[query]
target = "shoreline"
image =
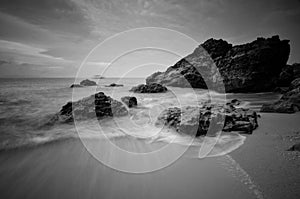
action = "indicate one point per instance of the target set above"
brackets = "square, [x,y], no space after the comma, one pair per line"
[46,169]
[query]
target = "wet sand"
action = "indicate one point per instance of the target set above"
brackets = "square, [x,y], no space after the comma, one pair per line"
[66,170]
[265,157]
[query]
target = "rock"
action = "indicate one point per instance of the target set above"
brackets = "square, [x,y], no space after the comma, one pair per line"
[289,101]
[285,76]
[149,88]
[95,106]
[295,147]
[129,101]
[87,82]
[251,67]
[75,86]
[114,85]
[295,84]
[195,121]
[281,89]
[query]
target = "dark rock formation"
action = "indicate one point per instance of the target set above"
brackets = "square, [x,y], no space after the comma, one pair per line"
[87,82]
[281,90]
[149,88]
[295,84]
[76,86]
[95,106]
[196,121]
[129,101]
[295,147]
[288,103]
[114,85]
[288,74]
[252,67]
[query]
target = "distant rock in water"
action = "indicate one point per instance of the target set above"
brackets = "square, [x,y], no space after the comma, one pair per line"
[114,85]
[95,106]
[195,121]
[76,86]
[295,147]
[87,82]
[251,67]
[288,103]
[149,88]
[129,101]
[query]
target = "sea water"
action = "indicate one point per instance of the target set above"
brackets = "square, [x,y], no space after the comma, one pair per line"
[27,103]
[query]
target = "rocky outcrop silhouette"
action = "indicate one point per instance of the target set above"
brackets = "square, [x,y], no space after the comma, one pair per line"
[251,67]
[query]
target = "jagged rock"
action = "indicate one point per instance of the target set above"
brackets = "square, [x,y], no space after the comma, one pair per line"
[87,82]
[295,83]
[129,101]
[114,85]
[281,90]
[95,106]
[288,103]
[195,121]
[286,76]
[149,88]
[295,147]
[75,86]
[251,67]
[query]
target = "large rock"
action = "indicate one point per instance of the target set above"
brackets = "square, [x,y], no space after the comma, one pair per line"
[251,67]
[149,88]
[95,106]
[87,82]
[129,101]
[195,121]
[288,103]
[288,74]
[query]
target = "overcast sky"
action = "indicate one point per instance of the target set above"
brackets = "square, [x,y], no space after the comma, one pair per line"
[47,38]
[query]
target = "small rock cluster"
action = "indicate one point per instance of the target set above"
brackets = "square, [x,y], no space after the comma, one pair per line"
[196,121]
[83,83]
[149,88]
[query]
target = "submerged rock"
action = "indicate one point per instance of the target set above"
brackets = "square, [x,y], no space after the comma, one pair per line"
[129,101]
[288,103]
[196,121]
[149,88]
[251,67]
[95,106]
[114,85]
[87,82]
[76,86]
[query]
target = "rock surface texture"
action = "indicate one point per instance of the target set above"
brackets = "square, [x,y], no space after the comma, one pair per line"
[149,88]
[196,121]
[288,103]
[251,67]
[95,106]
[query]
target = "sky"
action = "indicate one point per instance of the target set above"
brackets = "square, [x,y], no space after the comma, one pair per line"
[51,38]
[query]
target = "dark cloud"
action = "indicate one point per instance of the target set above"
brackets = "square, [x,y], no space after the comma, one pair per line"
[56,15]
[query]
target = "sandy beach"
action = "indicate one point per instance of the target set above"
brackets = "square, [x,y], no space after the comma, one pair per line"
[265,157]
[261,168]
